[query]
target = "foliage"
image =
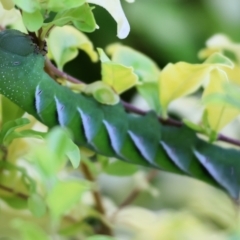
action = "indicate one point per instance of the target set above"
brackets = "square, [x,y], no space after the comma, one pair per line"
[44,182]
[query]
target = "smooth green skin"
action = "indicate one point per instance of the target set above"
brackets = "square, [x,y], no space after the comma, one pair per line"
[109,130]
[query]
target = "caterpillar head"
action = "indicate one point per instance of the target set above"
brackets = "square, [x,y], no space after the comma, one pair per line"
[15,42]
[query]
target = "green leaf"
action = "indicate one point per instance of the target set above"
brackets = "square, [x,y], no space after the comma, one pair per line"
[23,134]
[73,153]
[33,21]
[10,111]
[64,195]
[64,43]
[149,91]
[29,231]
[81,17]
[60,143]
[56,5]
[9,127]
[100,237]
[51,157]
[119,168]
[29,6]
[15,202]
[36,205]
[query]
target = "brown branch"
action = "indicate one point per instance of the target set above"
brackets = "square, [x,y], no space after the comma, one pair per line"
[10,190]
[97,199]
[52,70]
[135,193]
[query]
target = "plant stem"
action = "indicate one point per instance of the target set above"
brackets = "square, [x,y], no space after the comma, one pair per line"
[10,190]
[52,70]
[135,193]
[97,199]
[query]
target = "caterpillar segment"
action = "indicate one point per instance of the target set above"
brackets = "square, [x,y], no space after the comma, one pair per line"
[108,130]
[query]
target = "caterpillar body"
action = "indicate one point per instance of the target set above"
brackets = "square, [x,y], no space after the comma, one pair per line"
[108,130]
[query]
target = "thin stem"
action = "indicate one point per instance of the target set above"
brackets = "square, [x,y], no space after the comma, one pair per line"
[52,70]
[135,193]
[97,198]
[10,190]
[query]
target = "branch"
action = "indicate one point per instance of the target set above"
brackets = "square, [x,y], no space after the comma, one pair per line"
[52,70]
[10,190]
[135,193]
[97,198]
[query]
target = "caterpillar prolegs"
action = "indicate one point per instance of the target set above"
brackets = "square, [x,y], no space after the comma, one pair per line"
[108,130]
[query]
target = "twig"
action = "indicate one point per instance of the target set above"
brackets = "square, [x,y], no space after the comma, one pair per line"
[97,198]
[135,193]
[52,70]
[10,190]
[129,107]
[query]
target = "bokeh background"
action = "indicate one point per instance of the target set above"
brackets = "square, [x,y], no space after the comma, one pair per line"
[171,207]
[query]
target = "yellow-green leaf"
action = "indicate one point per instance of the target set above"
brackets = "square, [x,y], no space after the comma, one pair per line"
[102,92]
[64,195]
[64,43]
[116,75]
[218,114]
[146,69]
[7,4]
[33,21]
[180,79]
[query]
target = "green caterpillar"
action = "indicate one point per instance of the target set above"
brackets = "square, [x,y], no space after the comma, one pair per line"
[108,130]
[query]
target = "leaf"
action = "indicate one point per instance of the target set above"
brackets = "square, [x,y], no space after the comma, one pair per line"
[145,68]
[102,93]
[33,20]
[9,127]
[7,4]
[100,237]
[36,205]
[115,9]
[10,111]
[182,78]
[51,157]
[9,17]
[64,43]
[61,144]
[81,17]
[23,134]
[29,6]
[119,77]
[29,231]
[218,114]
[149,91]
[56,5]
[64,195]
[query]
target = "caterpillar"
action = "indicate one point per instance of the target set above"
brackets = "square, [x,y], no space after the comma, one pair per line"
[108,130]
